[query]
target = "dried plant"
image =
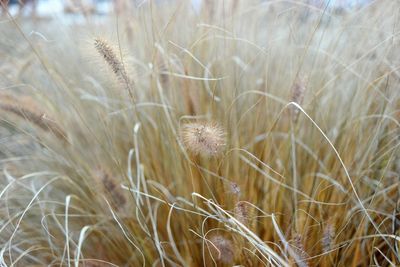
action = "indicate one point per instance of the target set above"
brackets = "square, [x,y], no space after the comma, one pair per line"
[207,139]
[31,113]
[328,237]
[208,166]
[221,249]
[117,66]
[298,91]
[242,212]
[110,186]
[300,251]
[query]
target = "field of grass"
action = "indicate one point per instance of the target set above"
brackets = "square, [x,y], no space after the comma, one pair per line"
[245,133]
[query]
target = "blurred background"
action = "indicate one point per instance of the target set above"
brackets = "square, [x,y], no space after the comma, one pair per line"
[48,8]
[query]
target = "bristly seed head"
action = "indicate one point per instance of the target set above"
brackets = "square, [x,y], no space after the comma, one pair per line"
[298,91]
[109,55]
[328,238]
[301,254]
[117,66]
[242,212]
[235,189]
[207,139]
[221,249]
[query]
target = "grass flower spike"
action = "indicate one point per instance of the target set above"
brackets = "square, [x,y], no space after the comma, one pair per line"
[221,249]
[207,139]
[107,52]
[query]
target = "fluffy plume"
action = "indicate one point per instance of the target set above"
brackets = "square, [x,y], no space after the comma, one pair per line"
[301,254]
[109,186]
[298,91]
[207,139]
[28,111]
[105,50]
[221,249]
[241,212]
[327,239]
[235,189]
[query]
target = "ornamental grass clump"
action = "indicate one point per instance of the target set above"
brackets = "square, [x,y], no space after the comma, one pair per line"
[212,148]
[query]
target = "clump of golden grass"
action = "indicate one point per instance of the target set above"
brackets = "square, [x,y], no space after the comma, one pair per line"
[302,173]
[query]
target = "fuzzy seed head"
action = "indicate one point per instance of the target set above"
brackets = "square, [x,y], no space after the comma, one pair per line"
[242,212]
[25,107]
[221,249]
[327,239]
[109,186]
[207,139]
[106,51]
[235,189]
[109,55]
[301,254]
[298,92]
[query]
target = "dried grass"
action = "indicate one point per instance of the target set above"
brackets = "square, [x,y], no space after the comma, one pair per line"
[302,173]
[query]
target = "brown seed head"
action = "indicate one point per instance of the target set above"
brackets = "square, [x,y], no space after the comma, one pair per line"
[110,186]
[109,55]
[327,239]
[242,212]
[26,108]
[207,139]
[298,92]
[235,189]
[301,254]
[221,249]
[106,51]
